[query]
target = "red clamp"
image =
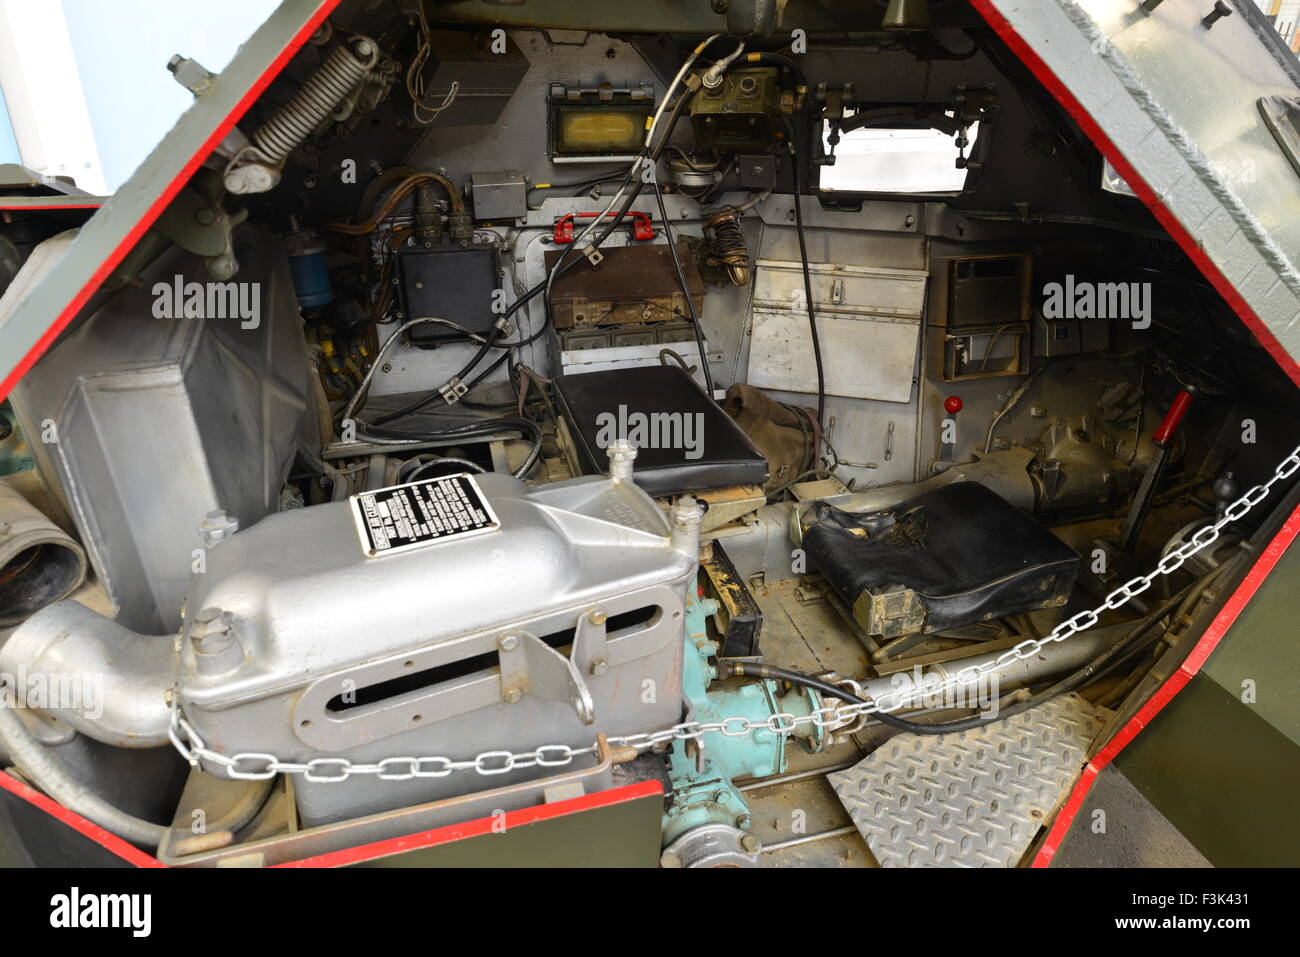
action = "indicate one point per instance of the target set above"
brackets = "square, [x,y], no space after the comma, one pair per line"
[641,226]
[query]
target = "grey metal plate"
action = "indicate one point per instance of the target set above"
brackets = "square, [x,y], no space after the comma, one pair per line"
[1210,159]
[971,799]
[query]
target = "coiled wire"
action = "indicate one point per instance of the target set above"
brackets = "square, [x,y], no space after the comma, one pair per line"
[727,245]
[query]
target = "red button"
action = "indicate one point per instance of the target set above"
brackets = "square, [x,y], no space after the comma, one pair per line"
[952,405]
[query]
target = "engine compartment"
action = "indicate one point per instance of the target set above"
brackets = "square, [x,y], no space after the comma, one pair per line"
[726,442]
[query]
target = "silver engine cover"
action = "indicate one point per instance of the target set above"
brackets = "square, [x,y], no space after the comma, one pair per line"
[437,650]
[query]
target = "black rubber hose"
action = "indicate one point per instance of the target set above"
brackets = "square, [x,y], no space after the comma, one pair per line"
[1076,679]
[807,277]
[686,290]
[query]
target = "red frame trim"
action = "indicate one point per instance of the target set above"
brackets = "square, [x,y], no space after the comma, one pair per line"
[481,826]
[166,196]
[1223,621]
[1043,73]
[362,852]
[110,842]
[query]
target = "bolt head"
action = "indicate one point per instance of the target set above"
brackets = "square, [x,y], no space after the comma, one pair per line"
[508,643]
[750,844]
[599,667]
[670,859]
[512,695]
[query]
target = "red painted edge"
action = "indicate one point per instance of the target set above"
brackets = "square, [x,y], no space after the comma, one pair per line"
[109,841]
[481,826]
[1003,28]
[1223,621]
[166,196]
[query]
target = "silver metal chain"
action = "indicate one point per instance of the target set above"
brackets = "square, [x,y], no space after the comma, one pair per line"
[258,766]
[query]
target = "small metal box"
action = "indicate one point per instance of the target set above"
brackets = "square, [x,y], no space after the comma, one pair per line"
[499,195]
[451,282]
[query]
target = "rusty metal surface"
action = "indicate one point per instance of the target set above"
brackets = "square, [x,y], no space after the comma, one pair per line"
[632,284]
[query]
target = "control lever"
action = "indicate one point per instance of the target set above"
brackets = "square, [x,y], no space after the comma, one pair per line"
[1162,437]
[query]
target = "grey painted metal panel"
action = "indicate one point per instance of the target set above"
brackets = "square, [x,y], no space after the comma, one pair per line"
[112,231]
[1178,101]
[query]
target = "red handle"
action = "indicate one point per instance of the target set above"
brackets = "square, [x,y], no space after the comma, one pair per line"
[642,229]
[1173,418]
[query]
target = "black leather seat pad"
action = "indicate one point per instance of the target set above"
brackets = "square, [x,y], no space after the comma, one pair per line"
[728,456]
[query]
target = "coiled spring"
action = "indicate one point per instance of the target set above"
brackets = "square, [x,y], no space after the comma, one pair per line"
[727,245]
[319,97]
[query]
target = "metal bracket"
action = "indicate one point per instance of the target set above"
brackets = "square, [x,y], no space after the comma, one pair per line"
[531,666]
[453,391]
[589,654]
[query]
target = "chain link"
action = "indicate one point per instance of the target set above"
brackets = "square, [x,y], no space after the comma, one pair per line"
[258,766]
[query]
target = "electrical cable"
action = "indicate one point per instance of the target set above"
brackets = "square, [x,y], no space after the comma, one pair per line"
[807,277]
[686,290]
[650,152]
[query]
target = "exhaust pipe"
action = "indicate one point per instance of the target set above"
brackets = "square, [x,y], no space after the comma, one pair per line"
[39,562]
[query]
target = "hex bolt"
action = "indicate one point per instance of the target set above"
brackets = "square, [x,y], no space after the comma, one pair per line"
[512,695]
[597,617]
[743,822]
[1220,11]
[599,667]
[751,844]
[508,643]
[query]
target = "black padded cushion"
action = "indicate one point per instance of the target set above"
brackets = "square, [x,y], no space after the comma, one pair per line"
[967,552]
[727,456]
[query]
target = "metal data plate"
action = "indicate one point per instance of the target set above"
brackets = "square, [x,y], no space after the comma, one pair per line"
[973,798]
[408,516]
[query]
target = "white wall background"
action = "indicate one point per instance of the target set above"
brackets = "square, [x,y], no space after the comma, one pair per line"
[86,84]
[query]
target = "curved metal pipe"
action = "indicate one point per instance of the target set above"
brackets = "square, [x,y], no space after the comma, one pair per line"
[105,680]
[50,774]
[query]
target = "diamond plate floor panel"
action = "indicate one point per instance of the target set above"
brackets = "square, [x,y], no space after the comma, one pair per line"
[973,798]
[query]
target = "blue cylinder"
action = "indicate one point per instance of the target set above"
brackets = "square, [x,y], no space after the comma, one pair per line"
[311,278]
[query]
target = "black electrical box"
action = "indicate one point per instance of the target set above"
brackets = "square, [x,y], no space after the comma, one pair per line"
[450,282]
